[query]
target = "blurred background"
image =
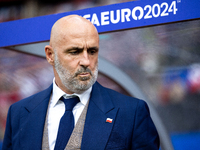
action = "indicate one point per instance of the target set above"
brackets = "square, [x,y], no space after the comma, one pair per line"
[163,60]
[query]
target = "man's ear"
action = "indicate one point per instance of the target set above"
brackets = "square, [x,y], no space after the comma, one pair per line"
[49,54]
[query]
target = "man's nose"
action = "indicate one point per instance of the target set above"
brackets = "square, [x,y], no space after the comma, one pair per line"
[85,59]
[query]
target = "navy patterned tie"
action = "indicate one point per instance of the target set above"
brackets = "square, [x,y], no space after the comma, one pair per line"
[66,125]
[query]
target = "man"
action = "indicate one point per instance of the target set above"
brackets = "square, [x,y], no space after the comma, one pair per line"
[103,118]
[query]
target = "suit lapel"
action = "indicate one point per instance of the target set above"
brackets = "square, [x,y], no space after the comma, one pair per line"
[32,120]
[97,130]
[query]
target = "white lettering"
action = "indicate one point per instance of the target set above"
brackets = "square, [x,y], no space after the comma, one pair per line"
[125,13]
[154,8]
[95,20]
[148,14]
[134,13]
[116,16]
[105,18]
[114,21]
[87,17]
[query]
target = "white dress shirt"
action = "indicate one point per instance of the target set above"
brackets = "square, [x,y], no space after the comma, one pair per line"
[57,109]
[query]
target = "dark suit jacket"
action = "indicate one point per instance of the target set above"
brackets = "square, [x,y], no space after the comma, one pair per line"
[131,128]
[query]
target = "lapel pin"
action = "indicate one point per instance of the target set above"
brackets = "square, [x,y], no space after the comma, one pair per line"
[109,120]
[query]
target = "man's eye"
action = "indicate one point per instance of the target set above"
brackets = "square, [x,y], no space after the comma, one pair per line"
[92,51]
[74,52]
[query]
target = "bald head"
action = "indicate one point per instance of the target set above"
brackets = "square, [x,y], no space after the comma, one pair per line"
[73,53]
[72,25]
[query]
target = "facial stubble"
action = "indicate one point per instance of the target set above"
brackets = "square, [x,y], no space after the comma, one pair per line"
[72,81]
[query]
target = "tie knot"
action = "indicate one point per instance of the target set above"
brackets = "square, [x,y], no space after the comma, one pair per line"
[70,102]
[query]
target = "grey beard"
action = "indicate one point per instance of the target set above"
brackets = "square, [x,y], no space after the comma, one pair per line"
[71,81]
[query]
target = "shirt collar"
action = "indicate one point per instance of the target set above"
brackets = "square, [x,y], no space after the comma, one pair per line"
[58,93]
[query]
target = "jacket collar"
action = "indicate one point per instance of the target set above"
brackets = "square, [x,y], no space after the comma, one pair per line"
[96,130]
[39,98]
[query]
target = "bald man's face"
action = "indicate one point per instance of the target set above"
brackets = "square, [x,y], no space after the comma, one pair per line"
[76,58]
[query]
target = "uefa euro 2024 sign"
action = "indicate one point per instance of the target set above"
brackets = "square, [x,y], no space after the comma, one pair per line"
[136,13]
[115,17]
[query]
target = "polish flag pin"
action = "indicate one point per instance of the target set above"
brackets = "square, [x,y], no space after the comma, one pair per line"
[109,120]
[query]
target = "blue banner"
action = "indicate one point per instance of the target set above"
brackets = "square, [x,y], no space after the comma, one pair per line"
[108,18]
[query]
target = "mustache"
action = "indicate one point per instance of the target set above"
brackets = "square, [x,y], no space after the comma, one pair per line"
[82,70]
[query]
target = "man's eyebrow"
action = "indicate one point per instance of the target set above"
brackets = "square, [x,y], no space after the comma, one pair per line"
[93,48]
[74,48]
[80,48]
